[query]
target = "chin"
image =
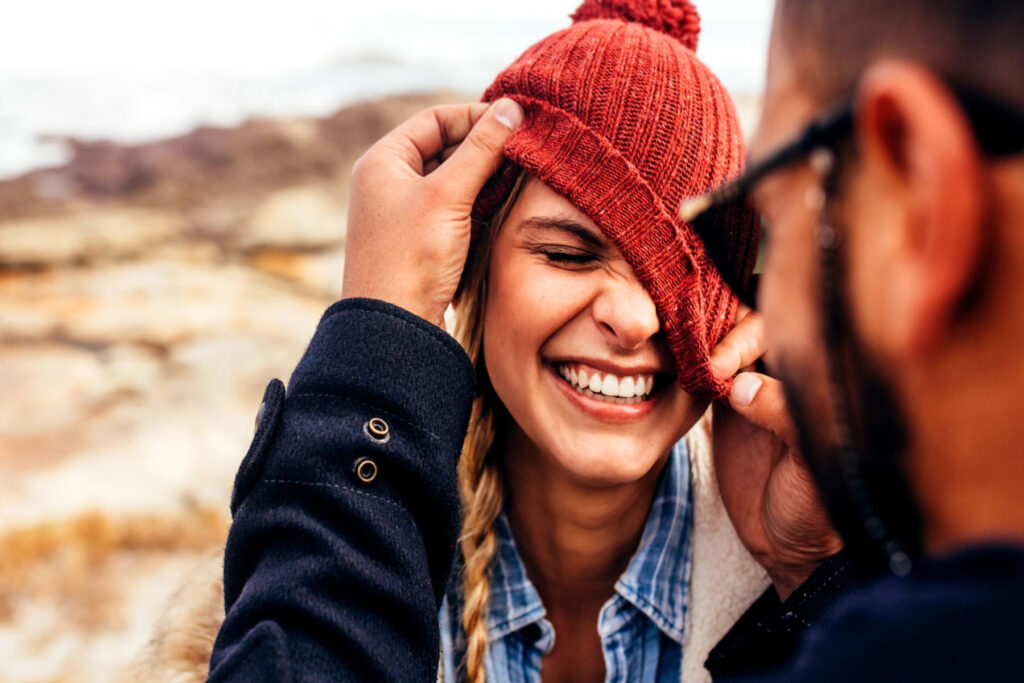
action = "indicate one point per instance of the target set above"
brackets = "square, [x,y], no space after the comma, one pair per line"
[609,465]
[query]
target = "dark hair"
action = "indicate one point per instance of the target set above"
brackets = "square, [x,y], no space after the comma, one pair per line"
[973,42]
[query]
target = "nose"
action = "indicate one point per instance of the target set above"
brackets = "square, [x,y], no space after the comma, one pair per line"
[626,313]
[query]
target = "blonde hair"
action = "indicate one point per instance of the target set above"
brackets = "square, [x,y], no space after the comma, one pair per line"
[481,482]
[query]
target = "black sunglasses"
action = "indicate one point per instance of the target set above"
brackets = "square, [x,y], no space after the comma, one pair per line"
[998,129]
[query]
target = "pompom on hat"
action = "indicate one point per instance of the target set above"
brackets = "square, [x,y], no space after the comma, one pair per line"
[625,122]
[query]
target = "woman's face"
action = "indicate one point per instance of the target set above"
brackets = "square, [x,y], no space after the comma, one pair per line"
[574,349]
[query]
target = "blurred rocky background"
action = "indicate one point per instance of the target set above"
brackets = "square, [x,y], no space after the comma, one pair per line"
[147,295]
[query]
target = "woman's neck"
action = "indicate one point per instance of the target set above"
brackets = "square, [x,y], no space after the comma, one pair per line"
[575,539]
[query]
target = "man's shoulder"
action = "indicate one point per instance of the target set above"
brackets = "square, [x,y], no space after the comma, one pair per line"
[957,618]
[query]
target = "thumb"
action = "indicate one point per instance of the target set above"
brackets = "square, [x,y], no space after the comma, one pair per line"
[480,154]
[761,400]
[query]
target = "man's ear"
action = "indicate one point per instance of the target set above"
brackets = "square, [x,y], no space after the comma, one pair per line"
[915,136]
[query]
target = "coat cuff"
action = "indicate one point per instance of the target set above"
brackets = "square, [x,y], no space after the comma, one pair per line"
[414,369]
[371,365]
[769,633]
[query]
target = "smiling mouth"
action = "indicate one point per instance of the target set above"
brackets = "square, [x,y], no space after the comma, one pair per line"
[604,386]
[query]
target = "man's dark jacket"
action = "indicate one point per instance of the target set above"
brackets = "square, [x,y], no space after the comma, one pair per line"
[345,519]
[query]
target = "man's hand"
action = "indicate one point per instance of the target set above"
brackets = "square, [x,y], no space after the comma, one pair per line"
[765,484]
[412,195]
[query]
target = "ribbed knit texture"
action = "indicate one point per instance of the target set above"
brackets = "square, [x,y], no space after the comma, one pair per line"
[625,122]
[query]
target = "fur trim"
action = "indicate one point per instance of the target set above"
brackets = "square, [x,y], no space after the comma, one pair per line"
[179,650]
[725,578]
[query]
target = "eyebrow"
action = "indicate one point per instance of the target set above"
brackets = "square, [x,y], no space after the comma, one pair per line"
[565,225]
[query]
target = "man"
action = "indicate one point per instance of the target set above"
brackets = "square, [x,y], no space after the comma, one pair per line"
[891,296]
[889,300]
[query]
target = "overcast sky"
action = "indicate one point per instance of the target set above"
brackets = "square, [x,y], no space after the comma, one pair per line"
[133,70]
[73,36]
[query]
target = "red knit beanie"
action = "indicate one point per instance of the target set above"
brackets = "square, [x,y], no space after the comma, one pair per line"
[624,121]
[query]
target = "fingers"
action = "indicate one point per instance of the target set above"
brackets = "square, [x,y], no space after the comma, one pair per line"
[426,134]
[761,400]
[742,311]
[480,154]
[433,164]
[743,345]
[448,152]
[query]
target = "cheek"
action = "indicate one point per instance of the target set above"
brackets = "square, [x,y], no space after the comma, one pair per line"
[790,287]
[791,305]
[527,304]
[869,243]
[516,305]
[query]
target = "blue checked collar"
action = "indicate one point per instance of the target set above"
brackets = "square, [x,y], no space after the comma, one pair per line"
[656,582]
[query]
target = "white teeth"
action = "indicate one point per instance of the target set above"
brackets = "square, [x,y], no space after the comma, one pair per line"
[609,387]
[602,397]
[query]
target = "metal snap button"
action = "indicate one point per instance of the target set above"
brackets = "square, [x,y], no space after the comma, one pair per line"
[377,429]
[365,469]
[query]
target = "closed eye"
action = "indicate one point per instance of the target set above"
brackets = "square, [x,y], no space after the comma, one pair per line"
[572,246]
[565,256]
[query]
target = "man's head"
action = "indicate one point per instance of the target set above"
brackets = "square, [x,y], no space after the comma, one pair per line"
[903,343]
[969,41]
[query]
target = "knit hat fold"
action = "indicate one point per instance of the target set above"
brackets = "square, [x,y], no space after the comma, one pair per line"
[624,121]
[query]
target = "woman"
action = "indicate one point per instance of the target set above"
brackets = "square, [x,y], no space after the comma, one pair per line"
[589,313]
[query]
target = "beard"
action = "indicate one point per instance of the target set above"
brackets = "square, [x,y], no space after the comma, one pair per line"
[853,437]
[864,487]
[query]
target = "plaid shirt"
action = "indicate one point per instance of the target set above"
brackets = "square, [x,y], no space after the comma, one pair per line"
[641,626]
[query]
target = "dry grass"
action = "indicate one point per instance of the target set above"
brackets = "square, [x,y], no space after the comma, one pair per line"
[70,563]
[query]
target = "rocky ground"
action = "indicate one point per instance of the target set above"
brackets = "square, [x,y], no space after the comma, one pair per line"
[147,295]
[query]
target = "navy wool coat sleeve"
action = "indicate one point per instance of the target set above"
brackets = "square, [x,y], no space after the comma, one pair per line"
[345,511]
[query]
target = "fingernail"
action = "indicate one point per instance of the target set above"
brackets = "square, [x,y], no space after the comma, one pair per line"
[745,388]
[508,113]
